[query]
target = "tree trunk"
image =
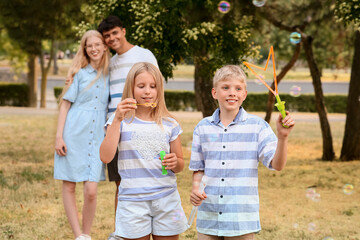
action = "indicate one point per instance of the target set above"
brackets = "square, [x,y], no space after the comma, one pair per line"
[44,73]
[203,85]
[56,68]
[286,68]
[32,80]
[328,151]
[351,143]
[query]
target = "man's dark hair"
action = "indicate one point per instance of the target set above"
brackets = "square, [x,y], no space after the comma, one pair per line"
[109,23]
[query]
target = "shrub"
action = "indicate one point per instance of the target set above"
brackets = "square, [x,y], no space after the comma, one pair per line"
[13,94]
[255,102]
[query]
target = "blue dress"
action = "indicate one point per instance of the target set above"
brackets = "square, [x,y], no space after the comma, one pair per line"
[84,129]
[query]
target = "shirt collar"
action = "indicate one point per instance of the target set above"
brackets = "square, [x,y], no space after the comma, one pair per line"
[241,116]
[89,68]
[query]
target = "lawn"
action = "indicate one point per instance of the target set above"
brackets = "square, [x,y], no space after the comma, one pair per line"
[31,204]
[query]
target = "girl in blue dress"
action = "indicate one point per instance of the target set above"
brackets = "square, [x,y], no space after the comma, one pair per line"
[82,115]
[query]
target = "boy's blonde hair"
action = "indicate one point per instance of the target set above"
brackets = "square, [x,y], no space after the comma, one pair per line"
[229,71]
[82,59]
[160,111]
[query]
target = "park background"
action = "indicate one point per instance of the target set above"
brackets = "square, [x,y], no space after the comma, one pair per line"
[315,197]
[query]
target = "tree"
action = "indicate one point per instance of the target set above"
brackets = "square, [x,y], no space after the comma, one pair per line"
[28,23]
[309,12]
[176,29]
[349,12]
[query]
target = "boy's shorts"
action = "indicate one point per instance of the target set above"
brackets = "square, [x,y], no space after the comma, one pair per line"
[160,217]
[250,236]
[113,170]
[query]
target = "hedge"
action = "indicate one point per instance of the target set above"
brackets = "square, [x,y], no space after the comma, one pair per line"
[256,102]
[13,94]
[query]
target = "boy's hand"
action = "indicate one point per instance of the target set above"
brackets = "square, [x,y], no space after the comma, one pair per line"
[125,106]
[287,121]
[196,198]
[60,147]
[170,161]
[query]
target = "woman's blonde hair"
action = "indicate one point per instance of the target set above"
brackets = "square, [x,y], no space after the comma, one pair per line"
[159,112]
[82,59]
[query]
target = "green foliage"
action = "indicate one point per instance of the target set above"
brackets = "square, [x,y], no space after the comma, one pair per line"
[13,94]
[348,11]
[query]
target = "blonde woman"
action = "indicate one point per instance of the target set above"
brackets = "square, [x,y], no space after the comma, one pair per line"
[82,115]
[141,127]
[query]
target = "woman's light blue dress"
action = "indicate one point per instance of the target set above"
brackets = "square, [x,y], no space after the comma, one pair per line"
[84,129]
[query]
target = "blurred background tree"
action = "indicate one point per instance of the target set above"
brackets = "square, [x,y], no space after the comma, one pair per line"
[348,12]
[29,23]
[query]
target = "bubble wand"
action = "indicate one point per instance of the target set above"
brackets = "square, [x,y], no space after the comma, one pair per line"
[162,155]
[280,104]
[194,209]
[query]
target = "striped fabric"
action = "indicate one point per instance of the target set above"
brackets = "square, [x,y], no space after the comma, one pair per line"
[120,66]
[229,156]
[138,160]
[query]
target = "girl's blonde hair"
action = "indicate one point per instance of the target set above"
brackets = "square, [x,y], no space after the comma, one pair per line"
[159,112]
[82,59]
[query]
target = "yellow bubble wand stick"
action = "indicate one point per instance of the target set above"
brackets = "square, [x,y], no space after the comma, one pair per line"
[280,104]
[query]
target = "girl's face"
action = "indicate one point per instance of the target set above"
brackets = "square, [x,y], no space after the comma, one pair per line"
[95,48]
[145,90]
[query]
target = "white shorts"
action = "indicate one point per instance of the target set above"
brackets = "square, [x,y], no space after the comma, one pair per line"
[160,217]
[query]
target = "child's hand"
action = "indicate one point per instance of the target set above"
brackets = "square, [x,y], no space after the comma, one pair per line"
[287,121]
[125,106]
[196,198]
[170,161]
[69,80]
[60,147]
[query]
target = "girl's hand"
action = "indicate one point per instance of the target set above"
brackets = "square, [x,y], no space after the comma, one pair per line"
[170,161]
[125,106]
[60,147]
[196,198]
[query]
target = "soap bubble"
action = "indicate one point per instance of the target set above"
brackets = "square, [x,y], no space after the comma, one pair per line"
[348,189]
[257,80]
[295,37]
[296,225]
[311,226]
[295,91]
[224,7]
[312,194]
[327,238]
[259,3]
[177,215]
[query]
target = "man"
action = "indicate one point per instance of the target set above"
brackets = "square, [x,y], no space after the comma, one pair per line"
[126,56]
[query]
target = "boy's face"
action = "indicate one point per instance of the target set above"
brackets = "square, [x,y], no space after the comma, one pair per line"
[115,38]
[230,94]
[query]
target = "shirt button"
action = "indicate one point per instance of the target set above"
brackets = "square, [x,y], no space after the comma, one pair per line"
[223,163]
[89,154]
[89,143]
[93,120]
[88,165]
[220,213]
[96,97]
[224,147]
[97,86]
[225,130]
[222,179]
[94,107]
[221,196]
[90,131]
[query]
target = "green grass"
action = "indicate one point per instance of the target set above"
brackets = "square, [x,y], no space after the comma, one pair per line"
[31,205]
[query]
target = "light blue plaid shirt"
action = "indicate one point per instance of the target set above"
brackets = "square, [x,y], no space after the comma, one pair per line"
[229,156]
